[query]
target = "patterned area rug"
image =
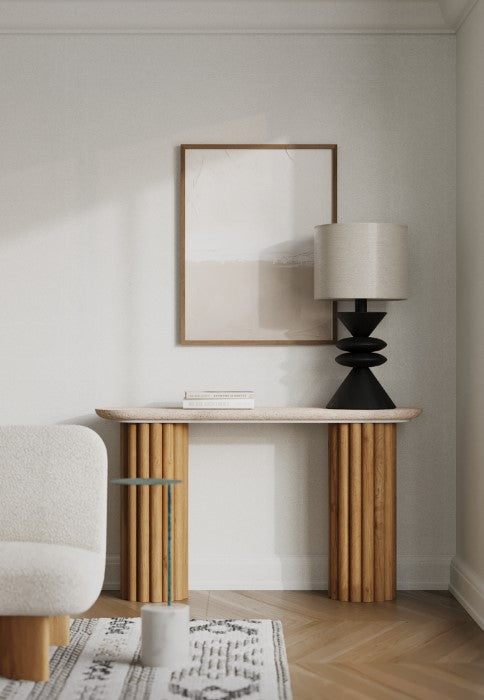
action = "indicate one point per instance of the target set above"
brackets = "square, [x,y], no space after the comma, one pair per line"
[231,659]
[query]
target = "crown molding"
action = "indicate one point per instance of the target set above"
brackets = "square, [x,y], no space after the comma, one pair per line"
[455,12]
[232,16]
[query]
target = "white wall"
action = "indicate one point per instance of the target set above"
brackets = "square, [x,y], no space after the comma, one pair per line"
[88,259]
[467,576]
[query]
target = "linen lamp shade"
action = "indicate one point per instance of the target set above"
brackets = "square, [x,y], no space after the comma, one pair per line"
[361,261]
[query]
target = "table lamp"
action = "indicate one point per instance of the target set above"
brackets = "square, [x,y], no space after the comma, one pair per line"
[360,262]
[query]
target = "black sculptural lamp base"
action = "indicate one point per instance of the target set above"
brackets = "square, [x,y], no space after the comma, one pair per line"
[361,389]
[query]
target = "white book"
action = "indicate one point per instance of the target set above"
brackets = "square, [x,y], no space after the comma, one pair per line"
[219,394]
[218,403]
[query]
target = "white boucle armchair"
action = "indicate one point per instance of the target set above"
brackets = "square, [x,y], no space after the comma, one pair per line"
[53,482]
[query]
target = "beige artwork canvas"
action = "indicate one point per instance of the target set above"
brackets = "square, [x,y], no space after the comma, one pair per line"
[248,217]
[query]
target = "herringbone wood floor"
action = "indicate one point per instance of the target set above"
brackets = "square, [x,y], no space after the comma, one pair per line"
[422,646]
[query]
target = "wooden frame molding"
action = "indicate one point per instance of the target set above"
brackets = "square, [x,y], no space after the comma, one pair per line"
[334,217]
[234,17]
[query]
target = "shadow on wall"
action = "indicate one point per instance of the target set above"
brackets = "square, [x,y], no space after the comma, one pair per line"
[289,466]
[286,292]
[92,143]
[301,507]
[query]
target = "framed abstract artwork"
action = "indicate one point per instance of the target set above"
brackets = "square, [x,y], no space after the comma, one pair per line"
[247,220]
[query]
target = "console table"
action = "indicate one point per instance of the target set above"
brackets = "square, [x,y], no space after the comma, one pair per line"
[362,495]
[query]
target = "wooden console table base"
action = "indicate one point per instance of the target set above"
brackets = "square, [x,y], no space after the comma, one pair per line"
[362,512]
[158,451]
[362,496]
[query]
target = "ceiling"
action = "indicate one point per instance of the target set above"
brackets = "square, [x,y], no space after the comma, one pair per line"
[234,16]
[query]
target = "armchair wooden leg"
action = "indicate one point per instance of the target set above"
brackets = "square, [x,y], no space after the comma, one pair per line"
[24,645]
[24,648]
[59,631]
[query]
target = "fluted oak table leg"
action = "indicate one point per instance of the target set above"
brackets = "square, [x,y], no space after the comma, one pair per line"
[156,512]
[124,577]
[343,512]
[168,473]
[143,514]
[362,512]
[355,509]
[333,511]
[158,451]
[180,564]
[390,525]
[368,516]
[131,541]
[379,509]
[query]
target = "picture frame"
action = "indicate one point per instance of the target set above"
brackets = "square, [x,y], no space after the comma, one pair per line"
[246,220]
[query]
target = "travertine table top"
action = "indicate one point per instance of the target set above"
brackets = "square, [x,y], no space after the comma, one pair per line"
[283,414]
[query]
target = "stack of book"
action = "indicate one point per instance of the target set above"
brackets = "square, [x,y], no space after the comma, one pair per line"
[219,399]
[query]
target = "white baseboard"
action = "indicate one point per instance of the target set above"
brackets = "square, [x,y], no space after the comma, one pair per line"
[297,572]
[259,573]
[468,588]
[426,572]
